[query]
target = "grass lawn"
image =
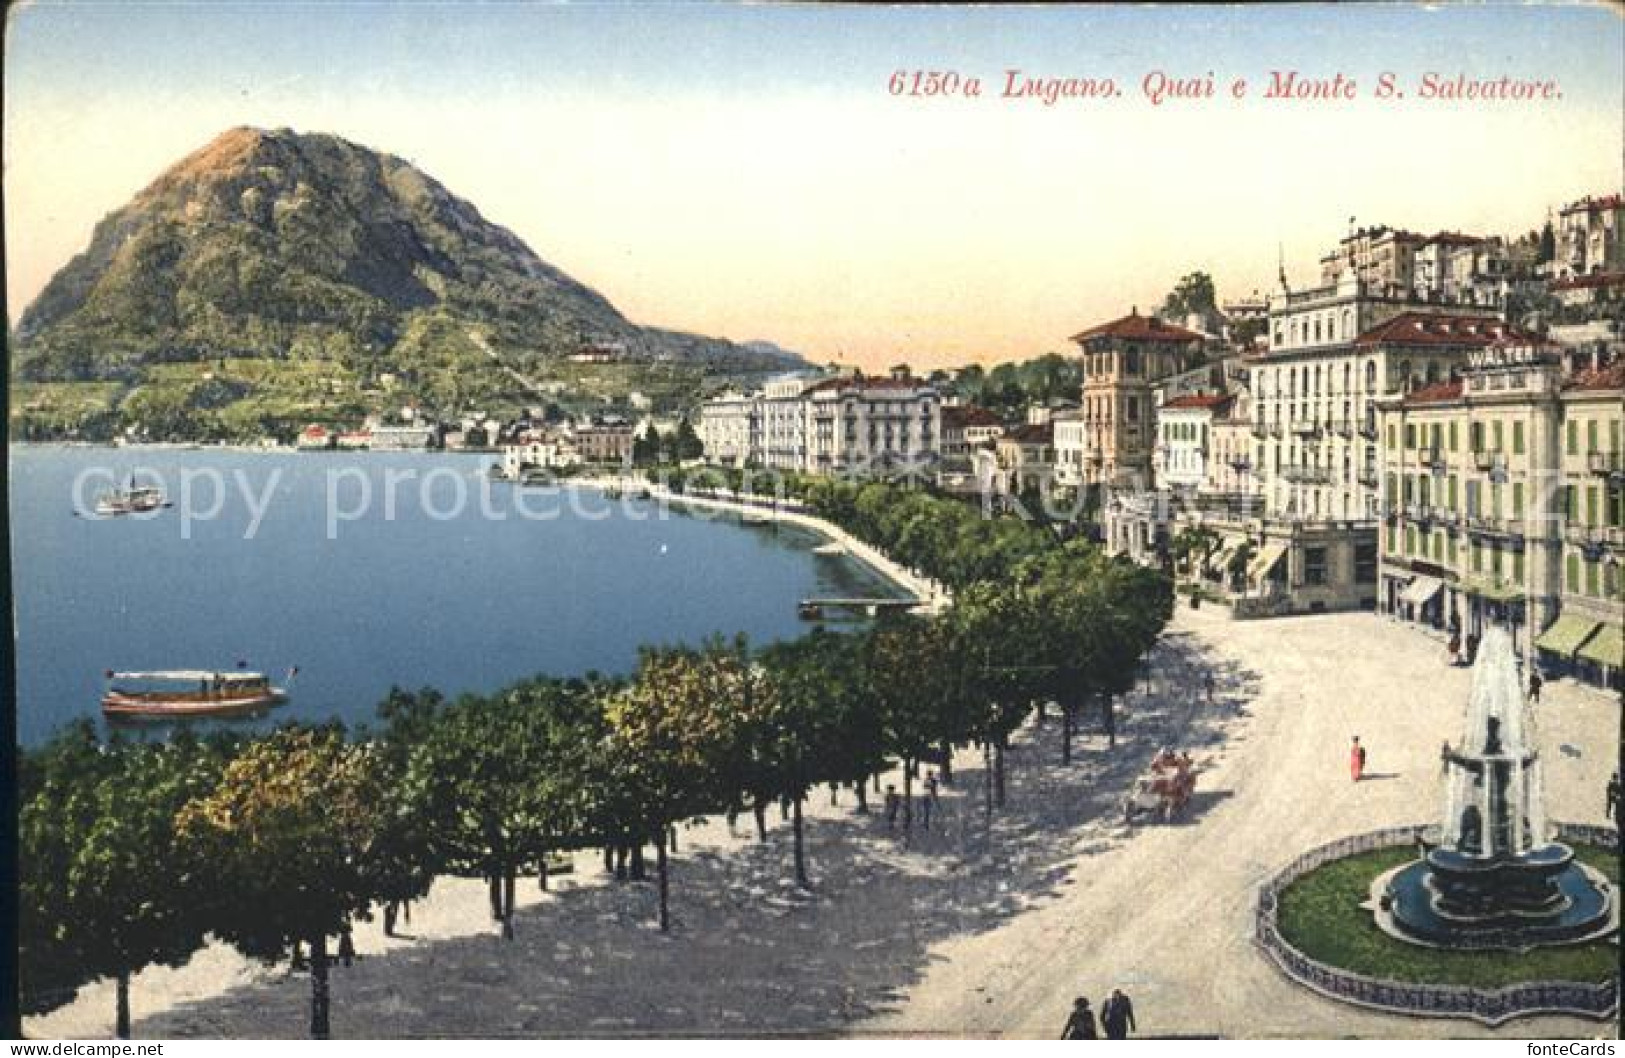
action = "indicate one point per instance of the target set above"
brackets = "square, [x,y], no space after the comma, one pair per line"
[1320,915]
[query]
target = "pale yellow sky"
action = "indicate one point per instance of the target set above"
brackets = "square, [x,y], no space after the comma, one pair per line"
[835,219]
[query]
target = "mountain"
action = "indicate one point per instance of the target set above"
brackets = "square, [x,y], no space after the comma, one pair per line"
[282,246]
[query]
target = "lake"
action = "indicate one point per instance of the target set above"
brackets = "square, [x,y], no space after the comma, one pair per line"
[371,570]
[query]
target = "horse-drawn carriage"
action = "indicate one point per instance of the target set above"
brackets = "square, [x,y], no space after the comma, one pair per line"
[1165,789]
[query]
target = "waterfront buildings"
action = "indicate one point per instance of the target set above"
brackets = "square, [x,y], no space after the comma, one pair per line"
[604,439]
[1504,500]
[844,424]
[413,438]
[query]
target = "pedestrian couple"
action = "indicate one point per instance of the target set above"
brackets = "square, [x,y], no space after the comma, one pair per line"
[928,802]
[1116,1017]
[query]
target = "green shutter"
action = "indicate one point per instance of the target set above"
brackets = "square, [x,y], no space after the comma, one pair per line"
[1452,435]
[1571,571]
[1591,578]
[1573,438]
[1517,499]
[1496,428]
[1517,438]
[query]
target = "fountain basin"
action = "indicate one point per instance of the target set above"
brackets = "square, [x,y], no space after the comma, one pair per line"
[1450,900]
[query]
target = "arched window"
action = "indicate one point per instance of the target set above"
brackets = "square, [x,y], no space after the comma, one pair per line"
[1370,376]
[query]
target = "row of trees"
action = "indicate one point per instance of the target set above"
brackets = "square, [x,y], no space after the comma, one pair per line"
[134,853]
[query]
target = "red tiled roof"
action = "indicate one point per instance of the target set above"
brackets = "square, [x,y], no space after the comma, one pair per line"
[1421,328]
[1199,400]
[1137,328]
[1437,393]
[968,415]
[1042,433]
[1611,376]
[1600,279]
[1592,205]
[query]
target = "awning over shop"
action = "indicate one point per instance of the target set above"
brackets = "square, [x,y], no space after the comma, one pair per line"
[1496,592]
[1607,647]
[1266,561]
[1566,634]
[1421,590]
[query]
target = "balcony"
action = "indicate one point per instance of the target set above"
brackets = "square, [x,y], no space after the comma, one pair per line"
[1605,463]
[1306,475]
[1368,478]
[1433,459]
[1491,461]
[1261,430]
[1488,526]
[1241,464]
[1594,535]
[1369,431]
[1306,429]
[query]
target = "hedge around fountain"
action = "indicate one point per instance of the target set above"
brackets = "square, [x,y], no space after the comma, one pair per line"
[1309,922]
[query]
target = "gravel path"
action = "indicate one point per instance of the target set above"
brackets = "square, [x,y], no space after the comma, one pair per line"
[972,929]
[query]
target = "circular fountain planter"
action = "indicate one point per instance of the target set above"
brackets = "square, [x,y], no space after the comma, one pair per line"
[1438,996]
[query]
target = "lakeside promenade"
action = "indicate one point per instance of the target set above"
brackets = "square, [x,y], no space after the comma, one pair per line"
[933,598]
[975,928]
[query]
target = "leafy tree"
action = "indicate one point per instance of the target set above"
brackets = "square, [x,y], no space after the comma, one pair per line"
[1192,294]
[820,724]
[675,732]
[914,677]
[1236,566]
[493,781]
[1194,547]
[688,443]
[290,837]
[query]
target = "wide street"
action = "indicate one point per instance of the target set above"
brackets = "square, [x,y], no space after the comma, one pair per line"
[968,929]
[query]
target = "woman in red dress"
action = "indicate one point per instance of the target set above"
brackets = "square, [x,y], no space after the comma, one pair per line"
[1356,759]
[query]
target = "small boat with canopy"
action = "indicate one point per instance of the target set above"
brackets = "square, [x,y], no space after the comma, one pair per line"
[177,693]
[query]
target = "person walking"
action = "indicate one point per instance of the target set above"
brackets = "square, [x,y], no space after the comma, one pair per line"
[893,803]
[1535,684]
[1454,647]
[1117,1016]
[1356,759]
[1080,1024]
[1613,796]
[929,800]
[1207,682]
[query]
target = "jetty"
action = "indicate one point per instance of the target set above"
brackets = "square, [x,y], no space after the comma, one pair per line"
[814,608]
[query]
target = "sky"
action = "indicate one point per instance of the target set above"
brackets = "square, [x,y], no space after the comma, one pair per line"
[745,171]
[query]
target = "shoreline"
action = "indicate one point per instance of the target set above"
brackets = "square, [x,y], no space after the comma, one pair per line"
[932,598]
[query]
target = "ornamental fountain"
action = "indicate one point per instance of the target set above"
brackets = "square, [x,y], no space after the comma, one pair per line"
[1494,880]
